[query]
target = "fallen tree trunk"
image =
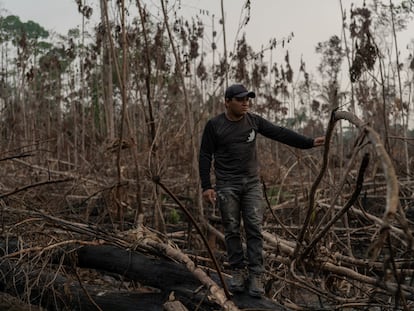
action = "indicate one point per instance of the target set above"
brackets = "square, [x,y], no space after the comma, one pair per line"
[50,288]
[162,274]
[54,291]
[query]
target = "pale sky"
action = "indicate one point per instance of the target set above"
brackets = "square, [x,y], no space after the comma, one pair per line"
[311,21]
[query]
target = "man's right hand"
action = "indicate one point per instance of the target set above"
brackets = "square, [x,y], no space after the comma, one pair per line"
[209,196]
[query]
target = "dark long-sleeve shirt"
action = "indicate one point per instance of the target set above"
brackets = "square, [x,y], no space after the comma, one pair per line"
[232,145]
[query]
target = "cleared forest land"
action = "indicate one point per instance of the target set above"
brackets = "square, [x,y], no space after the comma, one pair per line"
[100,199]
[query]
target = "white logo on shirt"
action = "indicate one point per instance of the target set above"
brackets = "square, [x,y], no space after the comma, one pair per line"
[251,137]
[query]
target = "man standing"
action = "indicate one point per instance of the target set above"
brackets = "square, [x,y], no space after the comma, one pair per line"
[230,140]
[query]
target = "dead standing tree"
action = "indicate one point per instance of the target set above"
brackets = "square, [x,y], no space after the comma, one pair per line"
[384,254]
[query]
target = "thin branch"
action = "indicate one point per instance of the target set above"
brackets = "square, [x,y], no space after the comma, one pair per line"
[347,206]
[316,183]
[200,232]
[41,183]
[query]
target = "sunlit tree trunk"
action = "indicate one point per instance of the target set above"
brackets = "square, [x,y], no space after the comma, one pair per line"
[59,124]
[107,73]
[189,112]
[147,101]
[21,100]
[224,42]
[83,86]
[400,92]
[214,46]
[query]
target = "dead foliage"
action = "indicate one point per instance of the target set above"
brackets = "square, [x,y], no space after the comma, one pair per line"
[331,242]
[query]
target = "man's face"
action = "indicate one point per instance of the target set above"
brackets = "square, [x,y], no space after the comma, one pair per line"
[238,106]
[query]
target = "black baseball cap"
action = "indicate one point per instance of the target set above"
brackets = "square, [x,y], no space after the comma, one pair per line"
[238,90]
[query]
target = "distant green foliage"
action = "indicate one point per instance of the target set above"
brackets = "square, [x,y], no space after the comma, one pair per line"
[11,27]
[74,33]
[43,46]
